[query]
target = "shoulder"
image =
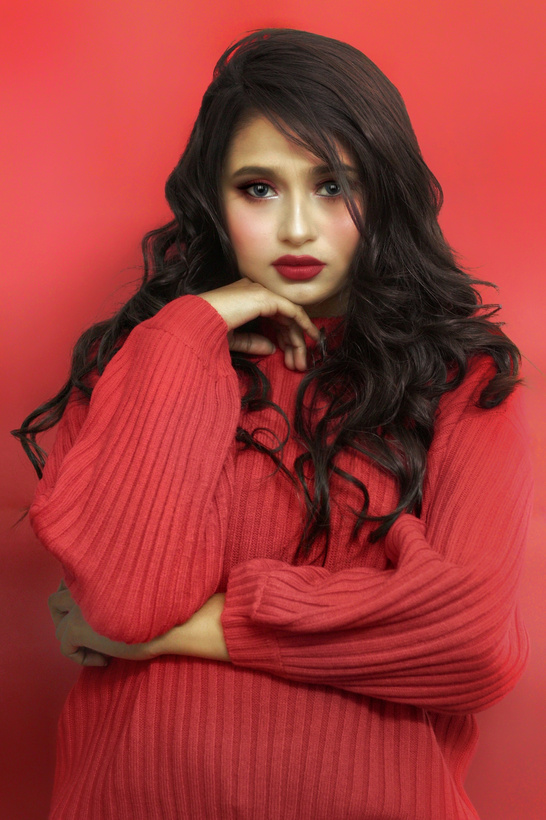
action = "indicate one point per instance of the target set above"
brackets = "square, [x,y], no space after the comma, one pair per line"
[481,449]
[480,370]
[461,405]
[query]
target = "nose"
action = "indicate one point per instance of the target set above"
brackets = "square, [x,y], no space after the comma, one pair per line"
[297,223]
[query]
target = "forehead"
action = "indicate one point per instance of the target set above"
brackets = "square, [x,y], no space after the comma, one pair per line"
[259,142]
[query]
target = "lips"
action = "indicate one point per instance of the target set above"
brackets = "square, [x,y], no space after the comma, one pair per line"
[298,267]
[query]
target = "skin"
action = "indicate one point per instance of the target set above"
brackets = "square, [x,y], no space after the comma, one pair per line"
[294,208]
[201,636]
[291,209]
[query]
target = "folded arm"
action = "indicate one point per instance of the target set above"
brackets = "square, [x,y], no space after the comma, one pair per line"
[441,629]
[135,496]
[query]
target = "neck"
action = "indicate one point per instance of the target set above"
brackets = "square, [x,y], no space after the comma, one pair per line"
[335,305]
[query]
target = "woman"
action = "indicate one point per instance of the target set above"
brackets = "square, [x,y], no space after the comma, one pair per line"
[290,485]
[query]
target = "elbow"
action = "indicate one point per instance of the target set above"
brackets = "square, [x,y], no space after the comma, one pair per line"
[126,619]
[501,673]
[129,616]
[488,676]
[125,626]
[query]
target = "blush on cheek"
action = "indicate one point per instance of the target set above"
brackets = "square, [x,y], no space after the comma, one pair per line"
[342,231]
[248,231]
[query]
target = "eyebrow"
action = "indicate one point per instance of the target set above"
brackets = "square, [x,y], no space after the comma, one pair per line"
[261,170]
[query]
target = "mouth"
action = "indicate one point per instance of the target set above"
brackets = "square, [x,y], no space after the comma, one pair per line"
[298,267]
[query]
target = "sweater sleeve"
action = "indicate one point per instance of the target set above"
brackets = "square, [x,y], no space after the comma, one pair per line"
[135,496]
[439,630]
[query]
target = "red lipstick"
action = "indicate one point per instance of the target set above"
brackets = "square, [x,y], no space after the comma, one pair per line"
[298,267]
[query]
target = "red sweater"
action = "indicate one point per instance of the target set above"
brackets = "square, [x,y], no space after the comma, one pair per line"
[352,687]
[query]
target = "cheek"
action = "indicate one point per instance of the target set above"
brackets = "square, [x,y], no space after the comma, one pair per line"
[343,233]
[248,228]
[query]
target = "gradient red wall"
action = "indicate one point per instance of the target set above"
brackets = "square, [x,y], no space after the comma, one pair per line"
[98,100]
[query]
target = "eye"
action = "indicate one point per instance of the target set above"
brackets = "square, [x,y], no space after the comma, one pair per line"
[333,188]
[259,190]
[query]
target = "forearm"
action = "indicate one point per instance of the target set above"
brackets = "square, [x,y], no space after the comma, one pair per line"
[201,636]
[428,632]
[440,628]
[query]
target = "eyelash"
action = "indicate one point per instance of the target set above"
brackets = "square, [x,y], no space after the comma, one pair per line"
[245,188]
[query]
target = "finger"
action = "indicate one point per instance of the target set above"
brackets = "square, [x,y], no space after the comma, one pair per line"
[70,645]
[299,347]
[289,355]
[71,636]
[57,616]
[289,358]
[86,657]
[60,604]
[285,345]
[251,343]
[288,312]
[304,321]
[294,347]
[62,597]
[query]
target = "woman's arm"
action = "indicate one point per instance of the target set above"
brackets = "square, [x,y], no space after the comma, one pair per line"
[135,496]
[201,636]
[441,629]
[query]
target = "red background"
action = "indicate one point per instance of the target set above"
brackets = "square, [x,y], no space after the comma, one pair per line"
[98,99]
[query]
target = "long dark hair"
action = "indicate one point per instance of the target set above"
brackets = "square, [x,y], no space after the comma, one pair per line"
[414,317]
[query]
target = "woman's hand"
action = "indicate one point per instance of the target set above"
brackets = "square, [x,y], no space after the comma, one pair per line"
[201,636]
[243,300]
[80,643]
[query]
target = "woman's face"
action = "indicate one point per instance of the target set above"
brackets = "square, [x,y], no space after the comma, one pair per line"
[279,200]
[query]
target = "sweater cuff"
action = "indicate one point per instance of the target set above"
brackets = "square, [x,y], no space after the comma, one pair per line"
[248,645]
[199,326]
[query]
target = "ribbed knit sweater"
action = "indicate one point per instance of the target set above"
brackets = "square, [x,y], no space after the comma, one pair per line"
[351,686]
